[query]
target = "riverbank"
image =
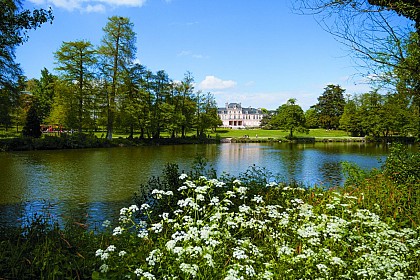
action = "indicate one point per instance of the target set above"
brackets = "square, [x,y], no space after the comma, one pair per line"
[348,139]
[82,141]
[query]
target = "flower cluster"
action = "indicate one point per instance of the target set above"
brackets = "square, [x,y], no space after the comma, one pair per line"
[222,231]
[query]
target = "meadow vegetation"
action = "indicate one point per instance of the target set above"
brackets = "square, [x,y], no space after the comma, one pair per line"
[196,225]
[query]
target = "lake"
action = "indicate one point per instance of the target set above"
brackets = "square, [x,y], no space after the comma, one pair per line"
[96,183]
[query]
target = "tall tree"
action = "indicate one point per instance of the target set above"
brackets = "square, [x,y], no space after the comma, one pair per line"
[43,91]
[207,117]
[311,117]
[32,126]
[187,103]
[349,120]
[117,51]
[330,106]
[371,29]
[161,88]
[134,99]
[14,24]
[75,61]
[290,117]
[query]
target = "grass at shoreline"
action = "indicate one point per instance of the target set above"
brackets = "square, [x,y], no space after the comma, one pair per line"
[222,132]
[276,134]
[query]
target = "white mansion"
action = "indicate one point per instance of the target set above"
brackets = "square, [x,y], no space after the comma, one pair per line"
[234,116]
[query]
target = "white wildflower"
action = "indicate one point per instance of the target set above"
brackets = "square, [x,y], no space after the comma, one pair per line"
[149,275]
[106,223]
[154,256]
[144,206]
[122,253]
[99,252]
[214,201]
[143,233]
[244,208]
[182,188]
[105,256]
[189,269]
[117,231]
[239,254]
[138,272]
[257,199]
[209,260]
[111,248]
[104,268]
[156,228]
[133,208]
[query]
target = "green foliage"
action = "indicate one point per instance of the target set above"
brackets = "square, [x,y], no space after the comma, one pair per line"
[311,118]
[218,230]
[402,167]
[330,107]
[392,191]
[378,115]
[76,61]
[117,51]
[14,26]
[289,117]
[32,126]
[41,249]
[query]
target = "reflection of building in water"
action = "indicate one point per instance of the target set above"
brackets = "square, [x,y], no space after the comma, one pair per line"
[234,116]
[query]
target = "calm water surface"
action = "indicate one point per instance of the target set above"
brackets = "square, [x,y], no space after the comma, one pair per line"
[95,183]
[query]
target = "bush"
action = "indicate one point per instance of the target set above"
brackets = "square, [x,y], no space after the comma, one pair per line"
[219,231]
[43,250]
[393,192]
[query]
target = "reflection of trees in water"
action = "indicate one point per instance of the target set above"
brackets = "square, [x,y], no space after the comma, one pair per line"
[331,173]
[91,214]
[291,163]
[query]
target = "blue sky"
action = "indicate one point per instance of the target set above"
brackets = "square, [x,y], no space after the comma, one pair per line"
[258,53]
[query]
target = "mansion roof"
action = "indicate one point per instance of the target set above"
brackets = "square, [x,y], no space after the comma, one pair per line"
[238,107]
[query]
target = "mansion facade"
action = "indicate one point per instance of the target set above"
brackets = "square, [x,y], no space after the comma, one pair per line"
[234,116]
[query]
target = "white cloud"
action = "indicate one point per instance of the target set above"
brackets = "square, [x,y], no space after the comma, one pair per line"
[184,53]
[212,82]
[99,8]
[191,54]
[89,5]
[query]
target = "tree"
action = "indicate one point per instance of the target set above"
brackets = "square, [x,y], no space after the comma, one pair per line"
[371,29]
[65,106]
[161,86]
[377,115]
[311,118]
[76,61]
[207,117]
[330,107]
[117,52]
[134,107]
[43,91]
[14,24]
[32,126]
[349,120]
[187,104]
[290,117]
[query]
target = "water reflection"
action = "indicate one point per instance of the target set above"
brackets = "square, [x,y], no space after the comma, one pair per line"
[93,184]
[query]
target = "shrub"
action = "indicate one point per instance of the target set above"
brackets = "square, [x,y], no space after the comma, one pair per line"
[42,249]
[219,231]
[393,192]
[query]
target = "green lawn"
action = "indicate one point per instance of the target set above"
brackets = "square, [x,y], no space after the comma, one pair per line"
[261,133]
[222,132]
